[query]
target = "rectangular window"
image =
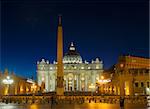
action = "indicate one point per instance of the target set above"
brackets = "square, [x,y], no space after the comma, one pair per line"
[136,84]
[142,84]
[148,84]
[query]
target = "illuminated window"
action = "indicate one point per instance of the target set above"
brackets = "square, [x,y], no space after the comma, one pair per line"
[89,67]
[97,67]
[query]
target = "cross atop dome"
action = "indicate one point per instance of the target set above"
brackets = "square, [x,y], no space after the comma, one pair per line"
[72,46]
[72,56]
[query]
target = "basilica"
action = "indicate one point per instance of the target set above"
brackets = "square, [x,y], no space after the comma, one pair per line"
[70,72]
[79,75]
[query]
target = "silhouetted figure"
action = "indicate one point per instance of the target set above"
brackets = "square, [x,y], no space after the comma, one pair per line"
[121,102]
[52,101]
[90,100]
[82,100]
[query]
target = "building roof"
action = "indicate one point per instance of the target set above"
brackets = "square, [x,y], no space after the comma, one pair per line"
[72,56]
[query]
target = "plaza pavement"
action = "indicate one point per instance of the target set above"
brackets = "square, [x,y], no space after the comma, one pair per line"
[71,106]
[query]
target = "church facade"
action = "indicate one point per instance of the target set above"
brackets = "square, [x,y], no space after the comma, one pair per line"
[69,73]
[78,75]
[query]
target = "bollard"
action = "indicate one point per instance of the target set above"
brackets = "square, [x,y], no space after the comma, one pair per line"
[89,100]
[6,101]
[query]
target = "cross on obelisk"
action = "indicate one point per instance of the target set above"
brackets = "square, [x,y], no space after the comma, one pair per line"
[60,73]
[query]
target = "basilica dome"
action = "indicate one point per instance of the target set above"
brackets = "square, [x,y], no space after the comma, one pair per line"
[72,56]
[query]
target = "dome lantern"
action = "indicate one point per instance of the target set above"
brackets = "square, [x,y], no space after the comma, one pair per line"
[72,56]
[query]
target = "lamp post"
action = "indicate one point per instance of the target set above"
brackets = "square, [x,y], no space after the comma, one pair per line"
[92,87]
[8,82]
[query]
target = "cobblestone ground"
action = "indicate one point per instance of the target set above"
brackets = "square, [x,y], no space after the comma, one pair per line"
[71,106]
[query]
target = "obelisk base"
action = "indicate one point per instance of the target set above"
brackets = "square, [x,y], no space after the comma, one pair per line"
[60,86]
[60,91]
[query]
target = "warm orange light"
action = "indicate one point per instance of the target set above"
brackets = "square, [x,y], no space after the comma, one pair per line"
[121,65]
[27,89]
[102,77]
[21,89]
[92,86]
[33,87]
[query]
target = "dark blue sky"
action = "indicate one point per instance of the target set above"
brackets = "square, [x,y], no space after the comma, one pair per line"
[102,28]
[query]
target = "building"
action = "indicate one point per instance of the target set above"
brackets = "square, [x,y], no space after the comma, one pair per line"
[130,76]
[133,62]
[78,74]
[12,84]
[69,73]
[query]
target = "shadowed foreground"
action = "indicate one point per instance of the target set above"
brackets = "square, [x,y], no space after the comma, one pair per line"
[71,106]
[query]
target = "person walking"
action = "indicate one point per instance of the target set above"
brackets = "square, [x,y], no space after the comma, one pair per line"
[121,102]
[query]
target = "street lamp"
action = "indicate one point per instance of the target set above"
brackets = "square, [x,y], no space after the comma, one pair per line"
[92,87]
[8,82]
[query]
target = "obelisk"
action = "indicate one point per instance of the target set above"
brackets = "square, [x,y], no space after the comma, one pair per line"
[60,73]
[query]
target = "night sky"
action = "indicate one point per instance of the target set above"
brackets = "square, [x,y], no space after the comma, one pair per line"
[102,28]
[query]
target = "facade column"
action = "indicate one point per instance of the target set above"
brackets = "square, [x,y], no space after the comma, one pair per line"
[86,81]
[66,84]
[94,81]
[111,89]
[73,84]
[131,90]
[49,88]
[80,89]
[122,86]
[54,83]
[80,85]
[77,83]
[116,90]
[46,81]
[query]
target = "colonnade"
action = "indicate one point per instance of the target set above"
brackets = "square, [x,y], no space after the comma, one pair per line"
[78,82]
